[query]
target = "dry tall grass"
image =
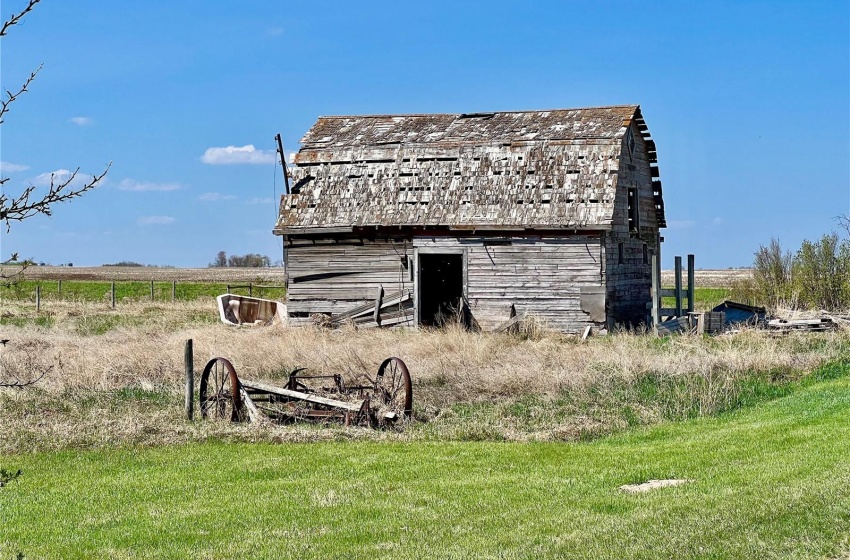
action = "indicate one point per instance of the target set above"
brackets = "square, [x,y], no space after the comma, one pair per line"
[144,350]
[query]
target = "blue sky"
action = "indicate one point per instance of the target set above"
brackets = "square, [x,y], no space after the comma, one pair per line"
[749,104]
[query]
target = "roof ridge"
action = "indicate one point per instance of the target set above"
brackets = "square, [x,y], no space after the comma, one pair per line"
[628,105]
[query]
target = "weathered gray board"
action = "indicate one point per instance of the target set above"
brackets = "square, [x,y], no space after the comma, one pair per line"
[551,279]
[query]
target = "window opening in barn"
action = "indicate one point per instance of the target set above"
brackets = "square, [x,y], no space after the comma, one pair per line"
[620,253]
[440,288]
[645,254]
[634,210]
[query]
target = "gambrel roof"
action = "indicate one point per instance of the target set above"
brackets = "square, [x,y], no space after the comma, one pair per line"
[504,170]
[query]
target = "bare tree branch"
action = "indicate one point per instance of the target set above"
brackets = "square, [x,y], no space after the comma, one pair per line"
[20,384]
[20,208]
[4,107]
[25,205]
[16,18]
[844,221]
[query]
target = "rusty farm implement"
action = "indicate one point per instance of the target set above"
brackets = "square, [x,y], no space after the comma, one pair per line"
[380,401]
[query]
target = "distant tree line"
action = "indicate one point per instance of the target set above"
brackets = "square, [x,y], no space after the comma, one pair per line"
[251,260]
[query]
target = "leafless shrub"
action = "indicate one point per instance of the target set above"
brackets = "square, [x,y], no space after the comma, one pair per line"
[27,364]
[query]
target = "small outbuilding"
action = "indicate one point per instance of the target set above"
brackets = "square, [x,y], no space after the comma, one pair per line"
[485,216]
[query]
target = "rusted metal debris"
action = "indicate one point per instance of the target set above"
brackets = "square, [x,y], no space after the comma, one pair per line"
[383,401]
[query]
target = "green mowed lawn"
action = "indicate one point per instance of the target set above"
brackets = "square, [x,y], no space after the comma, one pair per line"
[771,481]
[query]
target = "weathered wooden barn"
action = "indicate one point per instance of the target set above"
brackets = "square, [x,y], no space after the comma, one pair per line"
[552,214]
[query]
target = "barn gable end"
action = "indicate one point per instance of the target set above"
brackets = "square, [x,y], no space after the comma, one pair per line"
[533,205]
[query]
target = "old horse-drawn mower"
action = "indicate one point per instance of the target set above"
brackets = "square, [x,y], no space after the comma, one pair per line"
[381,401]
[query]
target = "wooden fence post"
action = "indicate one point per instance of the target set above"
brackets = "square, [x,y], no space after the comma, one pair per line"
[678,267]
[690,283]
[38,298]
[173,291]
[59,287]
[250,289]
[151,290]
[188,359]
[112,291]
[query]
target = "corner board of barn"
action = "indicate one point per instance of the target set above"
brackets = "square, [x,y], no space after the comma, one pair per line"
[484,216]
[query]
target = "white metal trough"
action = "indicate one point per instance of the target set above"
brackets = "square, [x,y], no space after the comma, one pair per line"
[245,310]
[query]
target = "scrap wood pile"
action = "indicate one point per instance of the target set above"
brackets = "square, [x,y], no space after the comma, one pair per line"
[730,317]
[382,401]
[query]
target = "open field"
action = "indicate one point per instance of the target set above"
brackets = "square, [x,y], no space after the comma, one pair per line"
[273,275]
[771,481]
[130,291]
[708,278]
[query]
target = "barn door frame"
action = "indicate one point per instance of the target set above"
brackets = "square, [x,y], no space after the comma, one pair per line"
[416,275]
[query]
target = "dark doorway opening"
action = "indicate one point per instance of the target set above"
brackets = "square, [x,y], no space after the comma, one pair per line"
[440,288]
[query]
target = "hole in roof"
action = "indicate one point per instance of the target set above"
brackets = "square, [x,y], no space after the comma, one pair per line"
[482,116]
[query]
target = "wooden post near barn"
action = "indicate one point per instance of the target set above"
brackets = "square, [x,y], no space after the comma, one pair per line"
[655,294]
[188,360]
[690,283]
[678,272]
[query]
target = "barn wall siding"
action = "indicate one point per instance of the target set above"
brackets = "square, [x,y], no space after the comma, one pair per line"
[541,278]
[544,278]
[334,275]
[629,281]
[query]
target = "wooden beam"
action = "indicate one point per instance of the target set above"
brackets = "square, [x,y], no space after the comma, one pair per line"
[298,395]
[254,414]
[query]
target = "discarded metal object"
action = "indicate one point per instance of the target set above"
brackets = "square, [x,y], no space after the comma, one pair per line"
[246,310]
[381,401]
[740,314]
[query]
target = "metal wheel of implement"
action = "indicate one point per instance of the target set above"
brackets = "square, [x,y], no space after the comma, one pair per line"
[219,392]
[393,386]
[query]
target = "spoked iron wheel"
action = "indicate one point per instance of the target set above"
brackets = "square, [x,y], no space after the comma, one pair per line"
[219,392]
[393,387]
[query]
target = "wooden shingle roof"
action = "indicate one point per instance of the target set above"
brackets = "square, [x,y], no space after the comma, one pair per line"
[526,169]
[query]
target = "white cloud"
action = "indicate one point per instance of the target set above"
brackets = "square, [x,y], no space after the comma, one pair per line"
[7,167]
[81,121]
[155,220]
[132,185]
[60,176]
[238,154]
[214,196]
[718,221]
[259,200]
[680,224]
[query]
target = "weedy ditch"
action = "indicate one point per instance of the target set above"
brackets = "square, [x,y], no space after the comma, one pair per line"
[116,377]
